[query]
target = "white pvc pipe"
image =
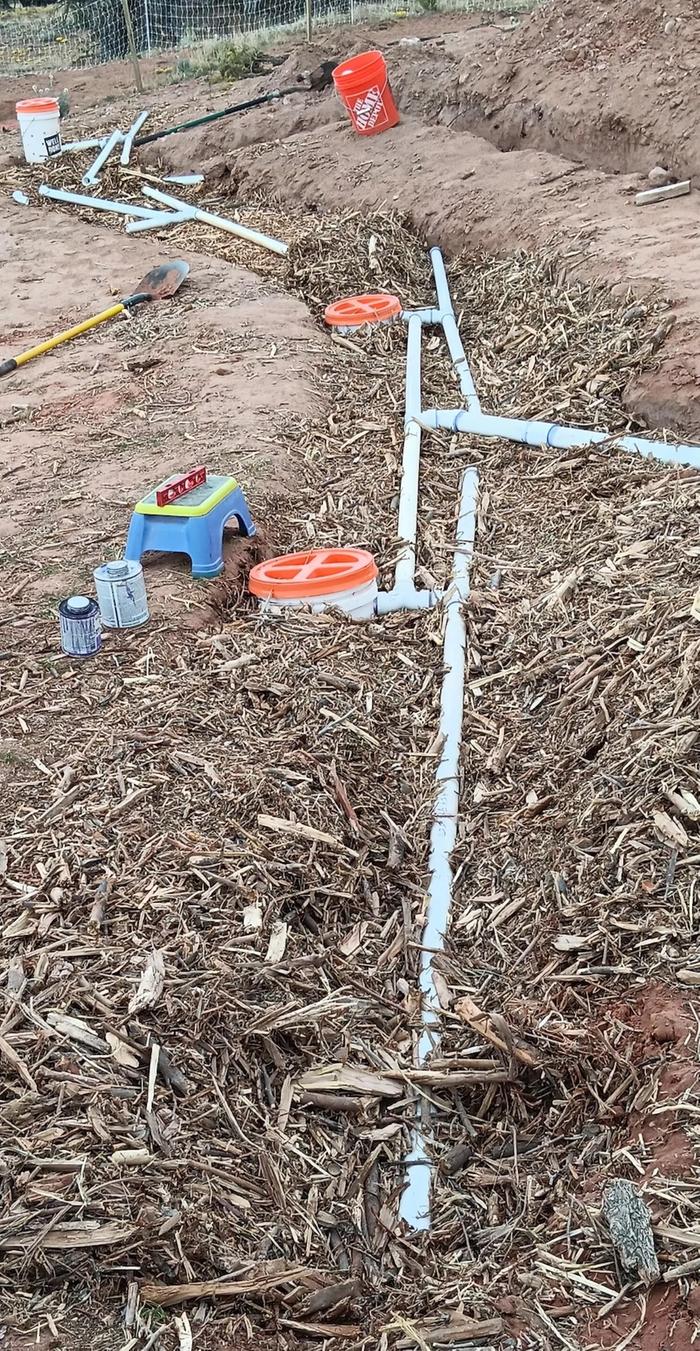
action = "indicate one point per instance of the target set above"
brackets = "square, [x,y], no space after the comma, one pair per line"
[160,218]
[405,597]
[219,222]
[93,173]
[404,594]
[426,316]
[451,331]
[472,421]
[415,1201]
[129,138]
[408,503]
[551,434]
[94,144]
[101,203]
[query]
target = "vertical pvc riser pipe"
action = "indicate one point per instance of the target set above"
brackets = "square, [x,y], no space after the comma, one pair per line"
[415,1201]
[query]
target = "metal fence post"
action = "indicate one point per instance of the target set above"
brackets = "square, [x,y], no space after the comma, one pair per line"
[147,26]
[309,19]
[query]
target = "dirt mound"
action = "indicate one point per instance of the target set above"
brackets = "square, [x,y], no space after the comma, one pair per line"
[610,86]
[585,34]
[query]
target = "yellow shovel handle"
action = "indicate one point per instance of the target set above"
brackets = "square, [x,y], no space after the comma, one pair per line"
[50,343]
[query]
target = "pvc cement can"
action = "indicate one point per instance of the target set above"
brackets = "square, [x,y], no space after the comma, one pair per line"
[121,594]
[81,631]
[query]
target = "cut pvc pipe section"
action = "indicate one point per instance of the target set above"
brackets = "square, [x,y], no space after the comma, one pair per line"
[131,133]
[101,203]
[218,222]
[95,144]
[93,173]
[552,434]
[157,221]
[415,1202]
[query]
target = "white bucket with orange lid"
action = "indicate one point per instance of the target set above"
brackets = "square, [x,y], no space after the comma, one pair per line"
[319,579]
[40,128]
[353,312]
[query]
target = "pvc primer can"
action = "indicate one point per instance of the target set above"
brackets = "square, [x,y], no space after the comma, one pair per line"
[121,594]
[81,631]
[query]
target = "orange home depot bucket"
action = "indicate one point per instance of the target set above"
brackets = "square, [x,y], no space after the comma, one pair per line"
[363,85]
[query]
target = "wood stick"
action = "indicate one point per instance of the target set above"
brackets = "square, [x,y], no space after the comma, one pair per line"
[132,46]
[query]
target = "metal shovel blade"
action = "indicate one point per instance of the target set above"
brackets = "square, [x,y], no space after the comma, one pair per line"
[162,282]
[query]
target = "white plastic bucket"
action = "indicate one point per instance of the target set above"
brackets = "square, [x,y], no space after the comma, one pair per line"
[317,580]
[358,604]
[121,594]
[40,128]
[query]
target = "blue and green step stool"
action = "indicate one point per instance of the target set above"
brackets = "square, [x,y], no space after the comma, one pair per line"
[192,524]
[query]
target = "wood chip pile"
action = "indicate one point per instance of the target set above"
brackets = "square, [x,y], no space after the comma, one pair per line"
[214,863]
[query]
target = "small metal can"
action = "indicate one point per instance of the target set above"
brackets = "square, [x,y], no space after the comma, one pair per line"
[121,594]
[81,631]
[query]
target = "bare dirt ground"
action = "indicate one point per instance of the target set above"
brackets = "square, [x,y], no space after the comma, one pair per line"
[90,427]
[215,835]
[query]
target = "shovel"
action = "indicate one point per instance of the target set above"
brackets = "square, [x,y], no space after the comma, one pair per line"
[319,79]
[159,284]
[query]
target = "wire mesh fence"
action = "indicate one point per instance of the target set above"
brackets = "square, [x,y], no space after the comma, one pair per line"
[78,33]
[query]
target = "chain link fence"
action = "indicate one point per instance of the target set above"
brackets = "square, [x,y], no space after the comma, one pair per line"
[42,40]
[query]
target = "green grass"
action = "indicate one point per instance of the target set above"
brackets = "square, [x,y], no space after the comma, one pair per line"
[9,756]
[222,61]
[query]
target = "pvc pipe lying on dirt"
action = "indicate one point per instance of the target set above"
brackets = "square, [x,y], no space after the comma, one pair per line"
[93,173]
[408,503]
[219,222]
[551,434]
[102,204]
[451,331]
[95,144]
[129,138]
[473,422]
[415,1201]
[159,219]
[414,1205]
[404,595]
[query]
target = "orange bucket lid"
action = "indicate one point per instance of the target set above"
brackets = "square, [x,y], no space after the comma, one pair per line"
[37,106]
[313,573]
[356,310]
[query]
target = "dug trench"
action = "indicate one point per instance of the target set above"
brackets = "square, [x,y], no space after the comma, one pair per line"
[532,133]
[216,841]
